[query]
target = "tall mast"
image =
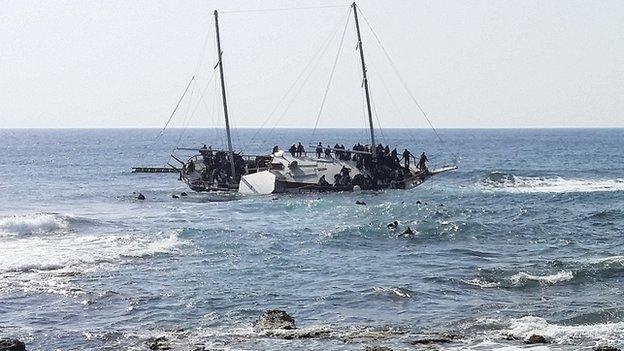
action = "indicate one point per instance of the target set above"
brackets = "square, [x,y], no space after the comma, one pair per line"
[368,103]
[225,107]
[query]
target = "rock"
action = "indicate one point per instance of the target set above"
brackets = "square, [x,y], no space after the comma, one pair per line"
[140,197]
[427,341]
[606,348]
[274,319]
[358,202]
[536,339]
[12,345]
[183,194]
[377,348]
[175,196]
[160,343]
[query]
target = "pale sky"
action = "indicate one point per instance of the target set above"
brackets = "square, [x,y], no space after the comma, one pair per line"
[473,63]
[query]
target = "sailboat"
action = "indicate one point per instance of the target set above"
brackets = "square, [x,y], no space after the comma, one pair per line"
[365,167]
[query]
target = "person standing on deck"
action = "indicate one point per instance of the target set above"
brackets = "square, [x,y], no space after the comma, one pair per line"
[275,149]
[327,151]
[423,159]
[293,150]
[300,150]
[406,158]
[319,150]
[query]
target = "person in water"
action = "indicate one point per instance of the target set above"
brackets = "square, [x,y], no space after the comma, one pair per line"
[300,150]
[423,159]
[319,150]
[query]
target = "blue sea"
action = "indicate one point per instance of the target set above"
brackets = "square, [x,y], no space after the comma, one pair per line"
[525,238]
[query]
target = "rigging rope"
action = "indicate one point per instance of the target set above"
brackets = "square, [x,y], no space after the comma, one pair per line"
[175,109]
[285,9]
[396,71]
[312,61]
[331,75]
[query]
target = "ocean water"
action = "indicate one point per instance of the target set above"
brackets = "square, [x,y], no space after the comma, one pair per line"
[526,237]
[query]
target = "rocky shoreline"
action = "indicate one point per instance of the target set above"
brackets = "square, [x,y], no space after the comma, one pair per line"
[279,324]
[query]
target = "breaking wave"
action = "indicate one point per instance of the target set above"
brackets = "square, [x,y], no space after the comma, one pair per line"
[523,277]
[601,333]
[394,291]
[37,223]
[82,252]
[500,181]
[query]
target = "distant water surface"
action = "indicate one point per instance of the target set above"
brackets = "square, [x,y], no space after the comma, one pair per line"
[525,238]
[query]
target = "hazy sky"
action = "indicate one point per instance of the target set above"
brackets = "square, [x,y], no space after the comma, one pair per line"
[469,63]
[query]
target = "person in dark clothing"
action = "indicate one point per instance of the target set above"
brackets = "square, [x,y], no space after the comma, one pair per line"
[327,152]
[406,158]
[323,182]
[423,159]
[275,149]
[300,150]
[293,150]
[319,150]
[337,151]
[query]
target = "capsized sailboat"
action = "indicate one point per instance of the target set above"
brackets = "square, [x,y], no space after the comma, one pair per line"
[365,167]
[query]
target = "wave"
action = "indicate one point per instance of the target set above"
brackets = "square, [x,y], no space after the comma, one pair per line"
[81,252]
[522,277]
[501,279]
[500,181]
[394,291]
[601,333]
[37,223]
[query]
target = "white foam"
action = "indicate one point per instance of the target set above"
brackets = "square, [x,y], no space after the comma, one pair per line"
[522,277]
[37,223]
[606,333]
[482,283]
[47,263]
[519,184]
[395,291]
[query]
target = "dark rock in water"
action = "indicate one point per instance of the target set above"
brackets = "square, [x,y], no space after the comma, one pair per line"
[183,194]
[175,196]
[274,319]
[606,348]
[536,339]
[436,340]
[12,345]
[160,343]
[140,197]
[358,202]
[313,334]
[377,348]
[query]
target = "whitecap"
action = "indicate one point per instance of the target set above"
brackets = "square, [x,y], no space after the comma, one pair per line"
[522,277]
[498,181]
[602,333]
[482,283]
[36,223]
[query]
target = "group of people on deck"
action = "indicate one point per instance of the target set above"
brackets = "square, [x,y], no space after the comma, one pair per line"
[361,154]
[387,166]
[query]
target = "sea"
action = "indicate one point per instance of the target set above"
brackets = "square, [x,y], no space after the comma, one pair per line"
[524,238]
